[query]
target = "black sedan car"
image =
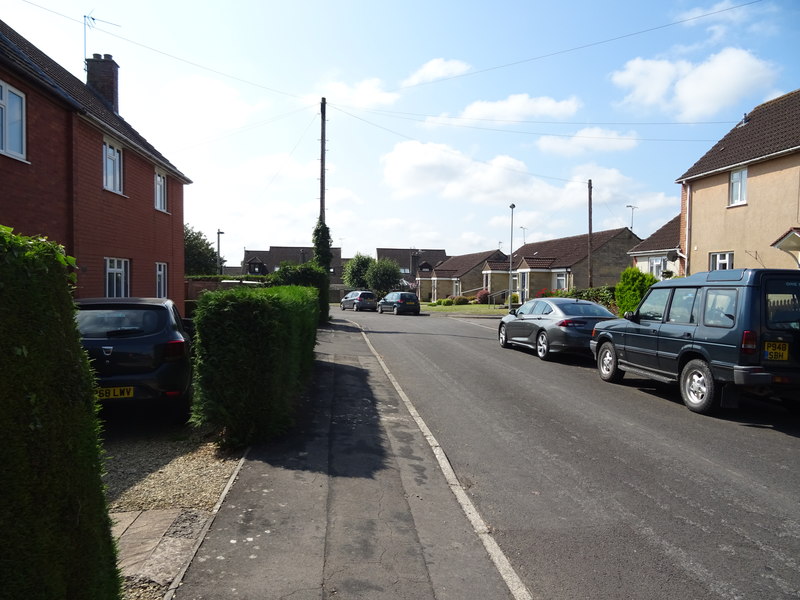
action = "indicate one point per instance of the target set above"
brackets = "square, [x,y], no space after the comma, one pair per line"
[549,325]
[139,348]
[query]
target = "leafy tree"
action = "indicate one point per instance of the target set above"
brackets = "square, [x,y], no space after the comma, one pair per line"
[354,273]
[383,276]
[200,256]
[631,288]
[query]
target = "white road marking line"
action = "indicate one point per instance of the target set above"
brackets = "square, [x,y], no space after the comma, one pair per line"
[501,562]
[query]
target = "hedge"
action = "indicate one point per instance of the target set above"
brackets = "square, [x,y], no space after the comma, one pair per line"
[254,350]
[57,541]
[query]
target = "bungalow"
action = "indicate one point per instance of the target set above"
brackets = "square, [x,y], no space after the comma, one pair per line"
[456,276]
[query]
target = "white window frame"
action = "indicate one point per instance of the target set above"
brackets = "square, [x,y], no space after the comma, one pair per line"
[720,261]
[656,265]
[12,126]
[117,277]
[560,281]
[737,192]
[112,166]
[161,280]
[160,180]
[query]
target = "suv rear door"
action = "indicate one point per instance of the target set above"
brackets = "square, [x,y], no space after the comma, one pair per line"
[780,344]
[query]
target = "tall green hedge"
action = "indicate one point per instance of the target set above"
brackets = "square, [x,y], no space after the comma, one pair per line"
[54,524]
[254,349]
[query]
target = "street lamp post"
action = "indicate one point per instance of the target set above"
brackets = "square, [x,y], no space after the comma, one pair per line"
[510,255]
[219,258]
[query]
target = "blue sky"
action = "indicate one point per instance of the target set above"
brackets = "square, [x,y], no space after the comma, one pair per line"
[439,114]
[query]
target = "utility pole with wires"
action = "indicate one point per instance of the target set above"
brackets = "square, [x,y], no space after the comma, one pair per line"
[589,258]
[322,166]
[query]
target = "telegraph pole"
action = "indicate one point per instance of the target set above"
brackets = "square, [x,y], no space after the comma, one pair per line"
[322,167]
[589,261]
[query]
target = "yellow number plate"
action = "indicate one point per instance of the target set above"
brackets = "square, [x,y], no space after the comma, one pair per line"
[776,351]
[115,392]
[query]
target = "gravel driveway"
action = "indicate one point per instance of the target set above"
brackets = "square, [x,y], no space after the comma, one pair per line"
[153,463]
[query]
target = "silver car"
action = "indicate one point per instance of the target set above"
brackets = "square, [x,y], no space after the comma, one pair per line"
[359,300]
[549,325]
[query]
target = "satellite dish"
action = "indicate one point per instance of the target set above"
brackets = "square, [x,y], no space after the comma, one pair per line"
[672,255]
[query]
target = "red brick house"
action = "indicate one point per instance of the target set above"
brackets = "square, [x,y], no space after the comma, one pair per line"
[72,169]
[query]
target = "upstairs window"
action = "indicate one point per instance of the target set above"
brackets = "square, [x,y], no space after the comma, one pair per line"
[12,121]
[161,191]
[720,261]
[738,188]
[112,167]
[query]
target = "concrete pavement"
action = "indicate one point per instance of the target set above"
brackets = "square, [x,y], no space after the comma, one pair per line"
[353,504]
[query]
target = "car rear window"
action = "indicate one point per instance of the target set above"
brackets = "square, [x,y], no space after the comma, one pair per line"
[103,322]
[585,310]
[783,304]
[408,296]
[367,295]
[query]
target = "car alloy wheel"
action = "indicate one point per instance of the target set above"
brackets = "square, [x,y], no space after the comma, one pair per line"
[542,346]
[607,364]
[501,335]
[698,388]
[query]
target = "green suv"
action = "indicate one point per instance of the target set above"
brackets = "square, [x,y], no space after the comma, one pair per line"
[715,333]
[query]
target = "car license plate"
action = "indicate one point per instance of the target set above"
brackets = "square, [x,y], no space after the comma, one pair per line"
[107,393]
[776,351]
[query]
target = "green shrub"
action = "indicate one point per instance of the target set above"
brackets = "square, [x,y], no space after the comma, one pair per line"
[460,300]
[631,288]
[447,301]
[254,350]
[57,541]
[514,298]
[308,274]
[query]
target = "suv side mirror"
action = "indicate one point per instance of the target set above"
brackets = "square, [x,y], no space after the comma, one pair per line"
[630,316]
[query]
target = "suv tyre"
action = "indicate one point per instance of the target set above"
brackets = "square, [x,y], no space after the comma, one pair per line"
[607,364]
[699,391]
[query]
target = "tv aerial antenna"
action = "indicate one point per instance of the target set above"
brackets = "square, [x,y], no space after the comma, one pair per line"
[88,23]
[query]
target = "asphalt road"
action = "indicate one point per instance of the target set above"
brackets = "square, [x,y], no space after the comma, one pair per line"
[596,490]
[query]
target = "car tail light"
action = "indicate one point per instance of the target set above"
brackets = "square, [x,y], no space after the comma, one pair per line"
[749,342]
[174,350]
[570,323]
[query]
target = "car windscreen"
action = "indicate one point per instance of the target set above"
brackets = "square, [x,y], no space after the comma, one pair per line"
[101,322]
[783,303]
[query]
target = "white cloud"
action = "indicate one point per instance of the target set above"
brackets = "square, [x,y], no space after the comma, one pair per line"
[741,14]
[589,139]
[694,91]
[368,93]
[720,82]
[435,69]
[522,106]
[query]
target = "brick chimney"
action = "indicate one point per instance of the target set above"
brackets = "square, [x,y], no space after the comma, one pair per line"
[102,75]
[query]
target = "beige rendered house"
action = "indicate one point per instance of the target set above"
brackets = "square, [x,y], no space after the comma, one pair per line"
[659,254]
[458,275]
[740,203]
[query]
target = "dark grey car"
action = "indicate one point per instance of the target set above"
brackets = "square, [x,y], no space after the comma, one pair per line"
[139,348]
[549,325]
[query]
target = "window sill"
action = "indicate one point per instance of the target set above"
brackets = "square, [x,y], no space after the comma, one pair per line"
[736,205]
[120,194]
[164,212]
[16,157]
